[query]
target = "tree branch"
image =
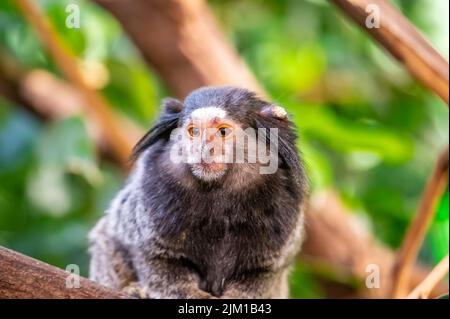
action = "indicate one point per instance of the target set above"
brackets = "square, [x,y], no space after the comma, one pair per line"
[418,228]
[335,237]
[51,98]
[398,36]
[25,277]
[66,61]
[423,290]
[183,43]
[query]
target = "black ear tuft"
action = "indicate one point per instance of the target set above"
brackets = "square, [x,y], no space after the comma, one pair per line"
[171,105]
[287,136]
[160,131]
[274,111]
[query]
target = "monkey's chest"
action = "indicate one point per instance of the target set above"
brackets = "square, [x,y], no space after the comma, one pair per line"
[224,253]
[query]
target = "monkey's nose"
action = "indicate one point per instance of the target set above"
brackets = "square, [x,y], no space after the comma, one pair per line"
[208,138]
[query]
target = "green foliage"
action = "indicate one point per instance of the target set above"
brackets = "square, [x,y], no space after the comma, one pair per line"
[366,128]
[438,236]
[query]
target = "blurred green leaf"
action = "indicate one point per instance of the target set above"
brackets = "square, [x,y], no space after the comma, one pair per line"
[438,235]
[349,136]
[64,147]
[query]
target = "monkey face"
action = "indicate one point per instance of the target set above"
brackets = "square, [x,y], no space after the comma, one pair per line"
[213,144]
[222,134]
[209,142]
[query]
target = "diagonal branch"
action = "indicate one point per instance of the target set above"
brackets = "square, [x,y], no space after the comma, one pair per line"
[417,230]
[398,36]
[182,41]
[423,290]
[25,277]
[98,107]
[335,238]
[51,98]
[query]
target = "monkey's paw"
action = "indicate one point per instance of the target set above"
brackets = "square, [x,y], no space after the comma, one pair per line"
[135,291]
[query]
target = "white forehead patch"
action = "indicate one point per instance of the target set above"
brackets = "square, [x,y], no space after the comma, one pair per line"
[207,113]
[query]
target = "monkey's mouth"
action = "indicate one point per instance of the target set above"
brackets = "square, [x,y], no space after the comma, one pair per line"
[208,171]
[211,166]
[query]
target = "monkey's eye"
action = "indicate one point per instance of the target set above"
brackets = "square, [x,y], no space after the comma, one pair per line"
[193,131]
[224,131]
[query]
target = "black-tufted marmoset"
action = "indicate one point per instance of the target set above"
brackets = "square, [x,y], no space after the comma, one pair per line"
[206,213]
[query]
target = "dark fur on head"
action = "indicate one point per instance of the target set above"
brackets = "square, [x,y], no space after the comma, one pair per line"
[244,106]
[237,240]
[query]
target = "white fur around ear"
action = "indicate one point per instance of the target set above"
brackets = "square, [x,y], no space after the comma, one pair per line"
[275,111]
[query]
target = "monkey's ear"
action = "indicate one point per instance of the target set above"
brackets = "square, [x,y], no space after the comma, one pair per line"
[274,116]
[274,111]
[163,127]
[171,105]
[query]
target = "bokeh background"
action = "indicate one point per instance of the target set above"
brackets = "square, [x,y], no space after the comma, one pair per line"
[368,130]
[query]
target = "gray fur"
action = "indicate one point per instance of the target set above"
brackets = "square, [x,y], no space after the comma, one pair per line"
[170,235]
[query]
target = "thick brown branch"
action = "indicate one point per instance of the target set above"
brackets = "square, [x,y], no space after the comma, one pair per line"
[25,277]
[398,36]
[182,42]
[417,230]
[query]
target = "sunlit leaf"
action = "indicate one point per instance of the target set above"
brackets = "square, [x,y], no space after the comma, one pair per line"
[438,234]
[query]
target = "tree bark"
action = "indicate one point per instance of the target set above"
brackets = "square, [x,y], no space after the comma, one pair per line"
[182,42]
[399,37]
[25,277]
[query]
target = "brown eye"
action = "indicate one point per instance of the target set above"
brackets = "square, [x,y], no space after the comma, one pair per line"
[193,131]
[224,131]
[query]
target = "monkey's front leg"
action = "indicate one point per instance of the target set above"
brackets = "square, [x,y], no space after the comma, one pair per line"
[163,278]
[110,263]
[270,284]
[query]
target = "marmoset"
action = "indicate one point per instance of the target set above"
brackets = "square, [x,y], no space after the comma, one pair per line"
[206,213]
